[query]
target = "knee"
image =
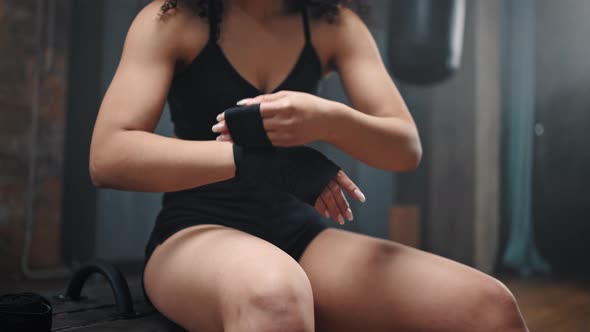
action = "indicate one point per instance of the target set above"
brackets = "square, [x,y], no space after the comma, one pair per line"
[277,301]
[495,308]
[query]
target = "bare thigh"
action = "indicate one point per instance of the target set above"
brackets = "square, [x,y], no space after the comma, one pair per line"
[366,284]
[201,276]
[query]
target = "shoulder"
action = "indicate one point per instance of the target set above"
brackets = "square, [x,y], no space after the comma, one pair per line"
[347,19]
[346,27]
[173,35]
[346,32]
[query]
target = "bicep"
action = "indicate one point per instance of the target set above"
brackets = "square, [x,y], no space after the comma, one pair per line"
[137,94]
[364,75]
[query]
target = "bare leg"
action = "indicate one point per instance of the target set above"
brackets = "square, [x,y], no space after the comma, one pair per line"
[212,278]
[366,284]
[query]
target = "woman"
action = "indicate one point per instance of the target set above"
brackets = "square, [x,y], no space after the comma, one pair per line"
[229,256]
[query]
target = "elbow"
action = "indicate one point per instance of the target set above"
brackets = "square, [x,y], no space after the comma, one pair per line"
[99,171]
[413,153]
[414,158]
[409,159]
[107,160]
[97,174]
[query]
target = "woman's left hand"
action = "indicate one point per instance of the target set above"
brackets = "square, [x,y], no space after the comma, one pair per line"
[290,118]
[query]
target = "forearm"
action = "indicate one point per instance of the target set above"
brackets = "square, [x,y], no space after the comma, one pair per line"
[386,143]
[142,161]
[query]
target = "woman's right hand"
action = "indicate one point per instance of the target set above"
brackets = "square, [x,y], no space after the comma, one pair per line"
[332,202]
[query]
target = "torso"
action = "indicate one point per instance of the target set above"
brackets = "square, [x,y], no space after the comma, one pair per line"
[282,39]
[248,59]
[212,76]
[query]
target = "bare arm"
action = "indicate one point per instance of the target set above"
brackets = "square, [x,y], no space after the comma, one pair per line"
[379,130]
[125,153]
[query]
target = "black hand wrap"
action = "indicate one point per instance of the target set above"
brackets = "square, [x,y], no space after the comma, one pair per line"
[300,171]
[25,312]
[245,126]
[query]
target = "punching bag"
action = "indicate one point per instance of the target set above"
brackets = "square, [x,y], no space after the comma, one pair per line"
[426,39]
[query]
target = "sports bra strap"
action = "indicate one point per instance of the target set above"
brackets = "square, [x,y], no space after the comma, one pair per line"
[214,20]
[305,14]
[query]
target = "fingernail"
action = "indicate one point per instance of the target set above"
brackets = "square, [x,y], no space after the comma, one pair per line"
[360,195]
[219,117]
[243,102]
[327,214]
[349,215]
[214,128]
[340,219]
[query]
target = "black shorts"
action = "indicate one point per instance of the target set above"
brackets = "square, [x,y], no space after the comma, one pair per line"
[276,217]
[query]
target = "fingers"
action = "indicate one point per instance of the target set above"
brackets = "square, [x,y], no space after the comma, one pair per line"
[220,128]
[350,187]
[269,125]
[256,100]
[341,201]
[321,207]
[336,203]
[223,131]
[330,202]
[269,104]
[268,108]
[224,138]
[272,108]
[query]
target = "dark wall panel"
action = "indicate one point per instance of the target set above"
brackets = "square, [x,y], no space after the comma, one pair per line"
[561,193]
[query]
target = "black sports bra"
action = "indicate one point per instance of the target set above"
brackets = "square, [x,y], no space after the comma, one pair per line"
[211,84]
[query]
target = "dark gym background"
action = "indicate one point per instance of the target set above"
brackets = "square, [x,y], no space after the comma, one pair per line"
[503,186]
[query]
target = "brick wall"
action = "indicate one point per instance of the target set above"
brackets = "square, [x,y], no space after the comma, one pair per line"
[33,68]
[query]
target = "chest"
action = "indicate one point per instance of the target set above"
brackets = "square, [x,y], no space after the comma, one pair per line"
[264,55]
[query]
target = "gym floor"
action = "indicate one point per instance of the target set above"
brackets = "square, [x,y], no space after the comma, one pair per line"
[548,304]
[553,305]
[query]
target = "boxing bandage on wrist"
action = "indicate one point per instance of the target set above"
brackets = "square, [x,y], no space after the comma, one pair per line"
[25,312]
[246,127]
[300,171]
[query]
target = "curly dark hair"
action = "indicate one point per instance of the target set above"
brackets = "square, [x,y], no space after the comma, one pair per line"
[327,9]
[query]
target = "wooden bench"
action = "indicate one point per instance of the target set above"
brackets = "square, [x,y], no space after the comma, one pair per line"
[97,309]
